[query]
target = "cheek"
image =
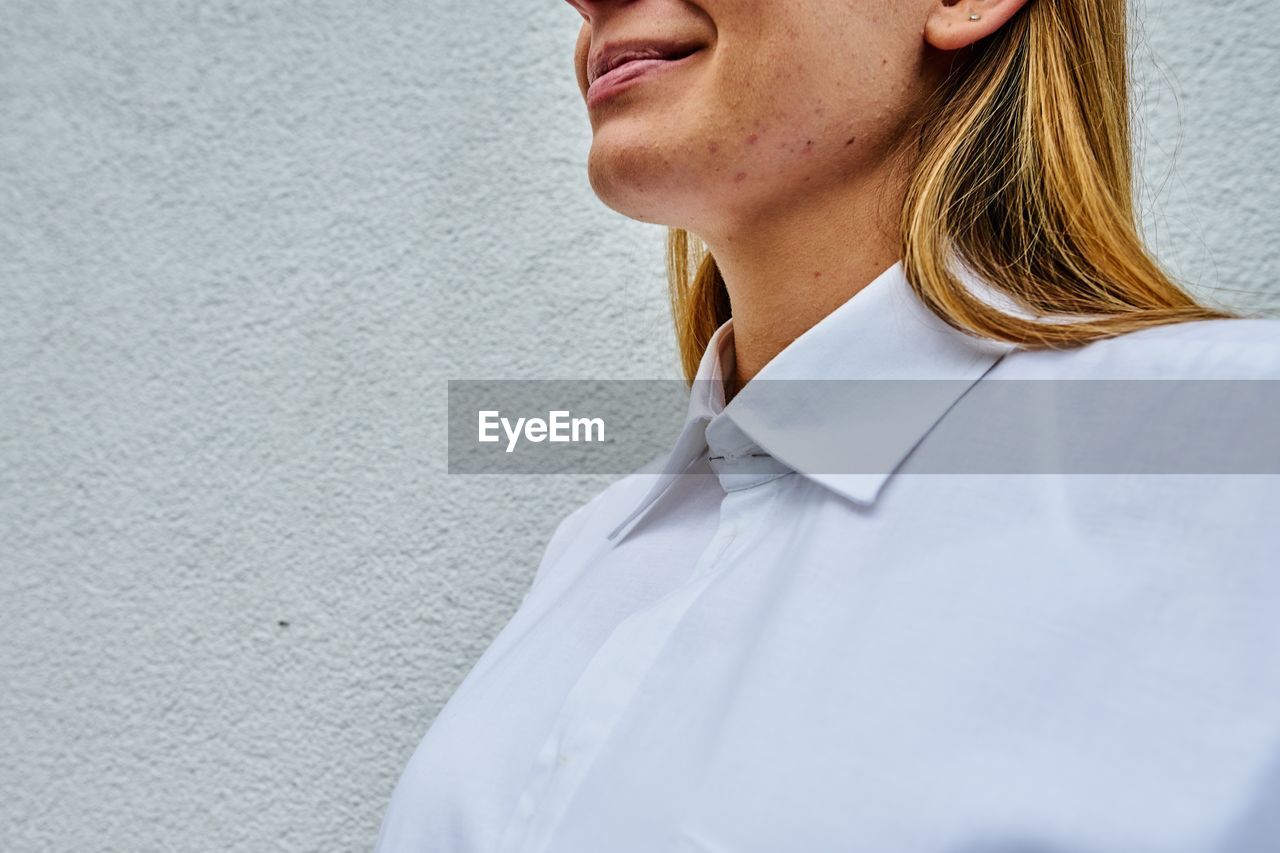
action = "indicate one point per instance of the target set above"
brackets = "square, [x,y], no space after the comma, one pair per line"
[782,113]
[763,119]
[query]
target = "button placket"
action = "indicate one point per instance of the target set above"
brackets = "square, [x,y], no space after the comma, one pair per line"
[607,686]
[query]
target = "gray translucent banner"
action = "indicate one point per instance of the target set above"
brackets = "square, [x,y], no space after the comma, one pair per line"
[877,426]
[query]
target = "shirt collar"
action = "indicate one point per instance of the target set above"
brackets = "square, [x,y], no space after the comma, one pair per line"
[882,332]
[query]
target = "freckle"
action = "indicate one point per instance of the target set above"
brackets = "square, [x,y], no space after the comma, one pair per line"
[817,274]
[819,111]
[713,148]
[751,140]
[741,176]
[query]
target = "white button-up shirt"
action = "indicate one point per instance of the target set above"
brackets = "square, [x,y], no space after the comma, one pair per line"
[774,656]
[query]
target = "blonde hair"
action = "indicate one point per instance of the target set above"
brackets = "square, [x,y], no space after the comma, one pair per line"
[1023,170]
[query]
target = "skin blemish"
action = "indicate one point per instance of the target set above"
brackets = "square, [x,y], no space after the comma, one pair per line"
[849,141]
[712,147]
[753,139]
[738,178]
[817,274]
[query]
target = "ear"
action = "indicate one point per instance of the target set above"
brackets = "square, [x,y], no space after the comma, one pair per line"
[951,24]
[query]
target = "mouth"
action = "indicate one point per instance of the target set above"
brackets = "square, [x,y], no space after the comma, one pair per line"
[621,62]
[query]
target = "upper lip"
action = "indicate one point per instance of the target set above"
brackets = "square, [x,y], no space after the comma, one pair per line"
[613,54]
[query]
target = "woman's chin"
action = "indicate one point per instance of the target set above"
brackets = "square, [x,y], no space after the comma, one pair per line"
[644,182]
[638,207]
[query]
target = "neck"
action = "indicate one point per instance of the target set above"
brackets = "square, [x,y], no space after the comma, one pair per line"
[792,265]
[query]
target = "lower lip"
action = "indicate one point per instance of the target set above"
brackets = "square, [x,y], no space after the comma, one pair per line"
[627,75]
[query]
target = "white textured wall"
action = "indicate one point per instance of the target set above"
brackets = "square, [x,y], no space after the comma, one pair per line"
[243,245]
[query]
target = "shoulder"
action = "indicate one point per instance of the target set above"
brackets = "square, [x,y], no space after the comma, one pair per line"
[1202,422]
[1204,349]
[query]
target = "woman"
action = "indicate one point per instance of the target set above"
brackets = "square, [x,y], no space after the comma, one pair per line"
[797,654]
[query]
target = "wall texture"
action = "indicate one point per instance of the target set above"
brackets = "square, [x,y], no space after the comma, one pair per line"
[243,245]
